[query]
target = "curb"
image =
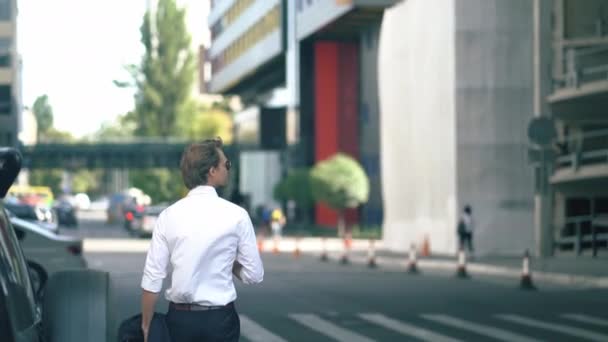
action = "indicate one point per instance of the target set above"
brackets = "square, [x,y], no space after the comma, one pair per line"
[488,269]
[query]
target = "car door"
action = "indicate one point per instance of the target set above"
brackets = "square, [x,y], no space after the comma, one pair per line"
[19,307]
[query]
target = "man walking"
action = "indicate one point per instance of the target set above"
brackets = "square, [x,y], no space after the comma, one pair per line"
[205,239]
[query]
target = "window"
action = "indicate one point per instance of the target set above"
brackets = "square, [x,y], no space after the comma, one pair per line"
[6,12]
[5,52]
[5,100]
[14,278]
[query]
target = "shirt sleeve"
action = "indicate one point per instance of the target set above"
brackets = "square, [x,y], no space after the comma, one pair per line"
[248,256]
[157,259]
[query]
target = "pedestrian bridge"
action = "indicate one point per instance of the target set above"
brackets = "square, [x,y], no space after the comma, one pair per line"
[116,154]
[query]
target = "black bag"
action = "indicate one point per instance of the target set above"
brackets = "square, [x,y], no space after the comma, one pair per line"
[130,329]
[462,228]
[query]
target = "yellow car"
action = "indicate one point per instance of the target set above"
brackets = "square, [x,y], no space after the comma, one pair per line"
[27,193]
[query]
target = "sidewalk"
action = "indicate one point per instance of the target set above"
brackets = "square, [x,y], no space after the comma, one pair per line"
[583,271]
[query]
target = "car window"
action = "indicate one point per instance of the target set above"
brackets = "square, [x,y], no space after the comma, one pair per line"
[14,278]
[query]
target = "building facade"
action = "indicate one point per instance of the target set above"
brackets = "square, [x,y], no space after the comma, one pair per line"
[10,71]
[578,102]
[306,73]
[460,85]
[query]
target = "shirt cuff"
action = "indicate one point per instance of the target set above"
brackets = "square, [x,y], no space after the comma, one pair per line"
[151,285]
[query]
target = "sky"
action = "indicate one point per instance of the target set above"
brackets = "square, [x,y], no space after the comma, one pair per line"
[72,50]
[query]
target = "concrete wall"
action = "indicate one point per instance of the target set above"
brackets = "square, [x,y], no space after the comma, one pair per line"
[417,121]
[494,103]
[456,93]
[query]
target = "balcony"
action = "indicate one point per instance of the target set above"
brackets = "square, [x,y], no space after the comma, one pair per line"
[582,93]
[582,165]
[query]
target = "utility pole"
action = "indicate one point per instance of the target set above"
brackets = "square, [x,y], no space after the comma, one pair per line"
[543,232]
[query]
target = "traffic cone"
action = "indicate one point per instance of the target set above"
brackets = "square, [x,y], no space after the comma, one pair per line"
[426,247]
[324,256]
[345,260]
[371,256]
[275,248]
[296,252]
[412,266]
[461,271]
[526,276]
[261,242]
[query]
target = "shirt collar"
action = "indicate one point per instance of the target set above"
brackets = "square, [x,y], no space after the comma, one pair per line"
[203,190]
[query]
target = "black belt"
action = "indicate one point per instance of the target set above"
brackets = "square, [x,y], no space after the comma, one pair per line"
[197,307]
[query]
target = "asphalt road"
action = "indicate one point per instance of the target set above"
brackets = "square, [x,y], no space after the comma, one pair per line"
[307,300]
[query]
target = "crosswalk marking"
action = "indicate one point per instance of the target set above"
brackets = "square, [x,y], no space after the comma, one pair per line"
[256,333]
[587,319]
[499,334]
[329,329]
[405,328]
[569,330]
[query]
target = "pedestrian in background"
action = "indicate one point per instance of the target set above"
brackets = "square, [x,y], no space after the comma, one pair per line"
[206,240]
[465,229]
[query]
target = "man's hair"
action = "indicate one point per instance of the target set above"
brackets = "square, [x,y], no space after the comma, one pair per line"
[198,159]
[468,209]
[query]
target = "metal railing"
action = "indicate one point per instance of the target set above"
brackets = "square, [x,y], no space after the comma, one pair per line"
[589,148]
[583,65]
[580,231]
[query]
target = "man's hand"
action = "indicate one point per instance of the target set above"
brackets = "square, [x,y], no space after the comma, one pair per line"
[148,300]
[145,332]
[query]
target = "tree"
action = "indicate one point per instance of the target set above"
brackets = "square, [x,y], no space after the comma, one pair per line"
[44,115]
[165,77]
[296,187]
[340,183]
[203,123]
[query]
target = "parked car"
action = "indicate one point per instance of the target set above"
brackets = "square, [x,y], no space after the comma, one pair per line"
[40,214]
[65,307]
[53,252]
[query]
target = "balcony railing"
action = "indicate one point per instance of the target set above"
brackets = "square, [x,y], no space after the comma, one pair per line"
[583,232]
[583,64]
[590,148]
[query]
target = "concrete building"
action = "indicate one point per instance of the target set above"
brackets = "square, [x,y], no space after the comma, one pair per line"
[578,101]
[460,84]
[309,67]
[10,71]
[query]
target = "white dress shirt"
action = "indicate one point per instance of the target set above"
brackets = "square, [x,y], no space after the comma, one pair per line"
[202,235]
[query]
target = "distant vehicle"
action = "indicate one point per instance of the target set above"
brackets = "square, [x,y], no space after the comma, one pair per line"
[141,221]
[66,213]
[82,201]
[32,194]
[40,214]
[52,251]
[65,307]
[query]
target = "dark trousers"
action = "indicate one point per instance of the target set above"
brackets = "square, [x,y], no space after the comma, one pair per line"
[202,326]
[465,238]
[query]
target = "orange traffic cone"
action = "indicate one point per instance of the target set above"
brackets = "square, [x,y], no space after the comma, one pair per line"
[371,256]
[344,260]
[412,266]
[324,256]
[526,276]
[461,271]
[426,247]
[261,242]
[296,251]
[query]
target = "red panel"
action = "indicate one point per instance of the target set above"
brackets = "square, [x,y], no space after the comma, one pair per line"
[326,104]
[336,109]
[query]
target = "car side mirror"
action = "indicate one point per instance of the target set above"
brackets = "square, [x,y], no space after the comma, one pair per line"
[38,277]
